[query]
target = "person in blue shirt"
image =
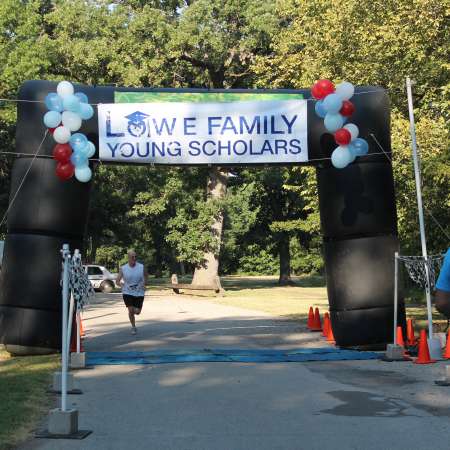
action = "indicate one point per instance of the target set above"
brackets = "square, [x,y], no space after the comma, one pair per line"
[442,295]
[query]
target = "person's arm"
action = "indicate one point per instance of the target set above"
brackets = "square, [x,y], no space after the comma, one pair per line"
[145,277]
[119,278]
[442,302]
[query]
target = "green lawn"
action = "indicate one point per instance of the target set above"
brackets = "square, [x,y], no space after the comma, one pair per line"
[262,293]
[23,397]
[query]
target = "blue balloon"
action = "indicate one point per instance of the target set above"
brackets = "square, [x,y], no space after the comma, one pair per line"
[71,103]
[52,119]
[86,111]
[89,150]
[78,159]
[78,141]
[341,157]
[333,122]
[86,150]
[320,111]
[82,97]
[54,102]
[83,174]
[359,147]
[332,103]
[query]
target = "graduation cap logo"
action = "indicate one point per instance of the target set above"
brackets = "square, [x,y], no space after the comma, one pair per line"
[136,123]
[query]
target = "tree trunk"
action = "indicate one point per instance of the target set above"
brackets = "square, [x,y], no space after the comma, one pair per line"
[207,274]
[93,250]
[285,260]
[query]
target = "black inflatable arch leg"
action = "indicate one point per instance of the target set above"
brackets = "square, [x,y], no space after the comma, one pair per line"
[358,218]
[40,222]
[45,214]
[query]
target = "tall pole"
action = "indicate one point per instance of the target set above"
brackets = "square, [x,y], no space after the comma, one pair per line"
[69,324]
[78,333]
[423,241]
[65,298]
[395,297]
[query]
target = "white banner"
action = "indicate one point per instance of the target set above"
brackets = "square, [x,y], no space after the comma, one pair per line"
[245,132]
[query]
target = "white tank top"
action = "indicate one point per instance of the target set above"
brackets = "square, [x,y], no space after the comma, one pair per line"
[133,278]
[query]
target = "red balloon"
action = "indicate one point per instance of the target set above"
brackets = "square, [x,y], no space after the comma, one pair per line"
[348,108]
[342,136]
[64,171]
[316,92]
[51,130]
[62,153]
[326,87]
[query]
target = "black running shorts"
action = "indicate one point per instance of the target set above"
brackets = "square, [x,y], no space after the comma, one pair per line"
[131,300]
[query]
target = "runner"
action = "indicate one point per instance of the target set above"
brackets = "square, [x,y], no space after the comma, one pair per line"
[442,296]
[132,278]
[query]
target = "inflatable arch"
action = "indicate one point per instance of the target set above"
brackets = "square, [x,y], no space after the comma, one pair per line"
[357,209]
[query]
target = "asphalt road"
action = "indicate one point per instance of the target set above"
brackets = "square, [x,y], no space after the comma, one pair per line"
[322,405]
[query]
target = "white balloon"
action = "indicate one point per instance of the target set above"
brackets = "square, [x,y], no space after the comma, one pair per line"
[83,174]
[61,135]
[341,157]
[71,120]
[345,90]
[354,130]
[64,88]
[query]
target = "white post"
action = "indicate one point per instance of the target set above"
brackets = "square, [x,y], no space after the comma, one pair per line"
[77,257]
[78,333]
[65,294]
[423,241]
[69,324]
[395,297]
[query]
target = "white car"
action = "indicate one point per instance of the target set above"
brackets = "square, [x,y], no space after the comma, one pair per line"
[100,277]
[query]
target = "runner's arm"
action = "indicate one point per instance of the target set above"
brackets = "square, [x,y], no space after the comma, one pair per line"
[145,277]
[119,278]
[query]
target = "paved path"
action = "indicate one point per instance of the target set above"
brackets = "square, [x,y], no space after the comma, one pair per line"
[359,405]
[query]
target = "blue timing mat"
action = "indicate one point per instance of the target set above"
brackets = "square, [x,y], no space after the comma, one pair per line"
[227,355]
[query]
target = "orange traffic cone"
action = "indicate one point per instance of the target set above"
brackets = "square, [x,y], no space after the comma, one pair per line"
[310,318]
[73,339]
[400,340]
[317,325]
[446,354]
[424,352]
[326,325]
[81,328]
[330,337]
[410,338]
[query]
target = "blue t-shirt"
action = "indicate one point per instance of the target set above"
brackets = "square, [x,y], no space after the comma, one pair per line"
[443,282]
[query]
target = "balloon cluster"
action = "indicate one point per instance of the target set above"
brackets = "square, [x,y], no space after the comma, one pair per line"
[334,106]
[66,112]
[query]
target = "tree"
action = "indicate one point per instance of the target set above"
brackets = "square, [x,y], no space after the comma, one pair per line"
[360,42]
[218,41]
[23,56]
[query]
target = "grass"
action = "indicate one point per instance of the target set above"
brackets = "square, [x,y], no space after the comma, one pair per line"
[23,397]
[262,293]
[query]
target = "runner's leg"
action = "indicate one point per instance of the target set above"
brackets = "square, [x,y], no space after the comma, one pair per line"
[138,305]
[131,316]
